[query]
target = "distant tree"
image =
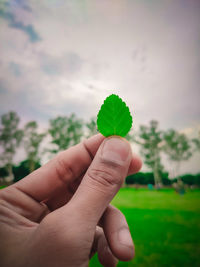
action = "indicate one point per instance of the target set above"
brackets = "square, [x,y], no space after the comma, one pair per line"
[65,132]
[177,147]
[130,136]
[130,180]
[165,178]
[32,142]
[145,178]
[150,140]
[188,179]
[91,128]
[3,172]
[142,178]
[197,179]
[10,139]
[196,142]
[22,169]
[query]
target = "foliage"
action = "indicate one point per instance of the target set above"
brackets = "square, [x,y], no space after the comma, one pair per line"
[91,127]
[165,179]
[196,142]
[150,140]
[140,178]
[114,117]
[10,138]
[22,170]
[3,172]
[197,179]
[32,141]
[177,147]
[145,178]
[188,179]
[65,132]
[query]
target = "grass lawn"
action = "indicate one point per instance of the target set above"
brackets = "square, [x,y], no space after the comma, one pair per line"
[2,186]
[165,227]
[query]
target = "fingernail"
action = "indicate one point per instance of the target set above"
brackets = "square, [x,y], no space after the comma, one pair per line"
[116,150]
[124,237]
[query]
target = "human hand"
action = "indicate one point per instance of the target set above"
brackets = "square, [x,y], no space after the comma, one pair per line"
[59,215]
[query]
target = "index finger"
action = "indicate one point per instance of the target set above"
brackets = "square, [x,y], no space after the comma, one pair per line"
[66,167]
[58,172]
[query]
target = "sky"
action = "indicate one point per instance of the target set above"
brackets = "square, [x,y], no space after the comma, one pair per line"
[63,56]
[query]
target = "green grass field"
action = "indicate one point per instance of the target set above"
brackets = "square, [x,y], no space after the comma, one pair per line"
[2,186]
[165,227]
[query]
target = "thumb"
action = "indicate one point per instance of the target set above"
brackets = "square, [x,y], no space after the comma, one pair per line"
[103,178]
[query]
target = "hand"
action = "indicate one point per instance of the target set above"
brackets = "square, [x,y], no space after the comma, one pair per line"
[59,215]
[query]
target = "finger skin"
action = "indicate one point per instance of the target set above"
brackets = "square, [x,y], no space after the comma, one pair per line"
[103,178]
[60,171]
[64,194]
[100,245]
[105,255]
[113,222]
[62,233]
[60,177]
[23,204]
[135,165]
[55,188]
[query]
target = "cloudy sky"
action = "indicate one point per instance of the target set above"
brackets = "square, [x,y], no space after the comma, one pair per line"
[63,56]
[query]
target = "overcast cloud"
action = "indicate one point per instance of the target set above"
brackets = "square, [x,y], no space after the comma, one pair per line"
[59,57]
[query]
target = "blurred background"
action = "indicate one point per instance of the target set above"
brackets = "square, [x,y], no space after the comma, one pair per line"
[59,60]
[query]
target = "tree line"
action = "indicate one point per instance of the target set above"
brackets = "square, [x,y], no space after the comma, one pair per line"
[147,178]
[66,131]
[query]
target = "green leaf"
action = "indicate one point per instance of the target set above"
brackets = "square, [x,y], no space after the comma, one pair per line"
[114,117]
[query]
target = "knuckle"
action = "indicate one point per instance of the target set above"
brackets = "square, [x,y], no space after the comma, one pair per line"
[117,213]
[123,218]
[63,169]
[104,177]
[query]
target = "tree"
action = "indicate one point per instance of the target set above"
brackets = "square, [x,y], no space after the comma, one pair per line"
[32,142]
[22,170]
[3,174]
[10,139]
[142,178]
[197,179]
[91,127]
[150,140]
[188,179]
[177,147]
[131,136]
[196,142]
[65,132]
